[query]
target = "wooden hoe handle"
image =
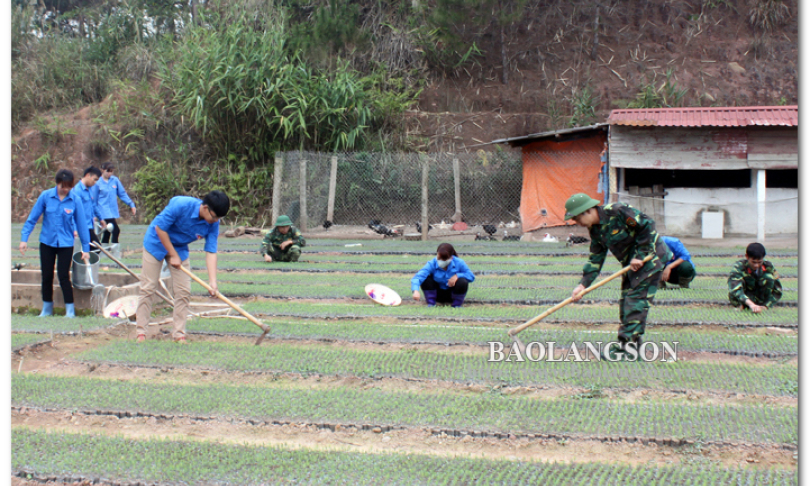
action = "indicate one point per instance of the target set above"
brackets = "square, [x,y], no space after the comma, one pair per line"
[226,300]
[567,301]
[161,294]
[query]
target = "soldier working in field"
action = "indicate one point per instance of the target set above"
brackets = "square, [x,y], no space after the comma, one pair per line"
[284,243]
[630,235]
[753,282]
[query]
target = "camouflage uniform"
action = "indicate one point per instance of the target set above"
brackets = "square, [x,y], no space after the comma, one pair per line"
[763,287]
[628,233]
[271,245]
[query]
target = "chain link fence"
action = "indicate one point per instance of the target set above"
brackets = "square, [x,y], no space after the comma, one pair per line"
[485,187]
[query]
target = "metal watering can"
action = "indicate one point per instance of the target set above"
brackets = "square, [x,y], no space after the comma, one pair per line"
[85,276]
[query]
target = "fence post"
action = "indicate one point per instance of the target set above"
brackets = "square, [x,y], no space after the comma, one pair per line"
[302,194]
[425,172]
[457,183]
[279,169]
[330,205]
[761,198]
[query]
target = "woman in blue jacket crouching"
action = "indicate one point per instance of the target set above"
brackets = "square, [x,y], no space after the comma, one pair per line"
[445,278]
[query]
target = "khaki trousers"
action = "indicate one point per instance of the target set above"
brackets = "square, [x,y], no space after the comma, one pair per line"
[181,291]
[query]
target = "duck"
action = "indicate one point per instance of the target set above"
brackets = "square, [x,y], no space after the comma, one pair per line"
[550,239]
[511,225]
[576,240]
[508,237]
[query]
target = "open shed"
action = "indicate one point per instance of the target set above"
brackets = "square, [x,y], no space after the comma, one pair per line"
[677,163]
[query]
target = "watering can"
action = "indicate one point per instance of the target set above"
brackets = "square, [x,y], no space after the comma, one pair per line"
[85,275]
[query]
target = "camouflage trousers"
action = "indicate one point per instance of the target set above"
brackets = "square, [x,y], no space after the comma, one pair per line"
[291,254]
[682,275]
[759,298]
[634,304]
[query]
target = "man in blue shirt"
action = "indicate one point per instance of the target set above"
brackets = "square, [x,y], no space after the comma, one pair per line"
[86,191]
[184,220]
[110,190]
[62,214]
[680,270]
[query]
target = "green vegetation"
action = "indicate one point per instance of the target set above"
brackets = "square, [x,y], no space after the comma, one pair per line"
[659,315]
[54,454]
[450,366]
[369,331]
[21,340]
[488,412]
[57,324]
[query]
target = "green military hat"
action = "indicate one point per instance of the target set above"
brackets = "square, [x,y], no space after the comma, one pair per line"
[283,221]
[578,204]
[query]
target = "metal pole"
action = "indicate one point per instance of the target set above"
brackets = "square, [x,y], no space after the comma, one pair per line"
[457,184]
[761,205]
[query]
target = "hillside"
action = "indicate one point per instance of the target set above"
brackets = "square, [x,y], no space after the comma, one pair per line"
[563,58]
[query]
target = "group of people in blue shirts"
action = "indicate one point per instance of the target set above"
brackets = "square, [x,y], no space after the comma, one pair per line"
[67,211]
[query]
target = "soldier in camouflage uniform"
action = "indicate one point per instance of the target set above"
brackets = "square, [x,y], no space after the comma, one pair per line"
[630,235]
[284,243]
[753,282]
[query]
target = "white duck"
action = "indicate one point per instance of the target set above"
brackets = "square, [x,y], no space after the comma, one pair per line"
[443,225]
[550,239]
[511,225]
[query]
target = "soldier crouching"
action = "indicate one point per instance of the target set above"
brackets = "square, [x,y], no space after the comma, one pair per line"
[753,282]
[283,243]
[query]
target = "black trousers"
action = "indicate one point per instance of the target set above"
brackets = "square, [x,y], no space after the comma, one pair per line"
[62,257]
[115,232]
[93,238]
[445,295]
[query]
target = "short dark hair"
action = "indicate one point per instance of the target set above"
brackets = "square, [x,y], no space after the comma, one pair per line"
[64,176]
[107,166]
[445,251]
[755,250]
[217,202]
[92,170]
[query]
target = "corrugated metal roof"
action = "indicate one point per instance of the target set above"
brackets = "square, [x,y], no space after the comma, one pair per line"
[783,116]
[539,136]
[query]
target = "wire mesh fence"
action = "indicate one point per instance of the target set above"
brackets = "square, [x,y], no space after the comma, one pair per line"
[356,188]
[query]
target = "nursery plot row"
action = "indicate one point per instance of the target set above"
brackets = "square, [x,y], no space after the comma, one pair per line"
[767,379]
[696,288]
[483,412]
[758,345]
[58,324]
[43,455]
[658,315]
[327,288]
[22,340]
[474,260]
[242,262]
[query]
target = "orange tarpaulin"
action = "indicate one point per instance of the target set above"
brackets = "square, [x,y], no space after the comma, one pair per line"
[552,172]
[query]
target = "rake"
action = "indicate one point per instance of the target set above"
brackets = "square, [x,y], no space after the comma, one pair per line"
[512,333]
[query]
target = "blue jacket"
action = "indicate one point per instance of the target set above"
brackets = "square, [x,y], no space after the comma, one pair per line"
[59,220]
[456,267]
[181,220]
[108,194]
[678,250]
[89,199]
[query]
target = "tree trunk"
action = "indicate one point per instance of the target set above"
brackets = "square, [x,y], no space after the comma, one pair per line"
[193,4]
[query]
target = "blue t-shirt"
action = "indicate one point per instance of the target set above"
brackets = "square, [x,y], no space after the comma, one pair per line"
[89,198]
[456,267]
[108,193]
[678,250]
[181,220]
[60,218]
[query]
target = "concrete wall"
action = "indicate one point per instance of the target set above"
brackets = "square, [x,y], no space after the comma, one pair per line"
[683,208]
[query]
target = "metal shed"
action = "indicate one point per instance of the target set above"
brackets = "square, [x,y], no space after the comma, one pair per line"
[676,163]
